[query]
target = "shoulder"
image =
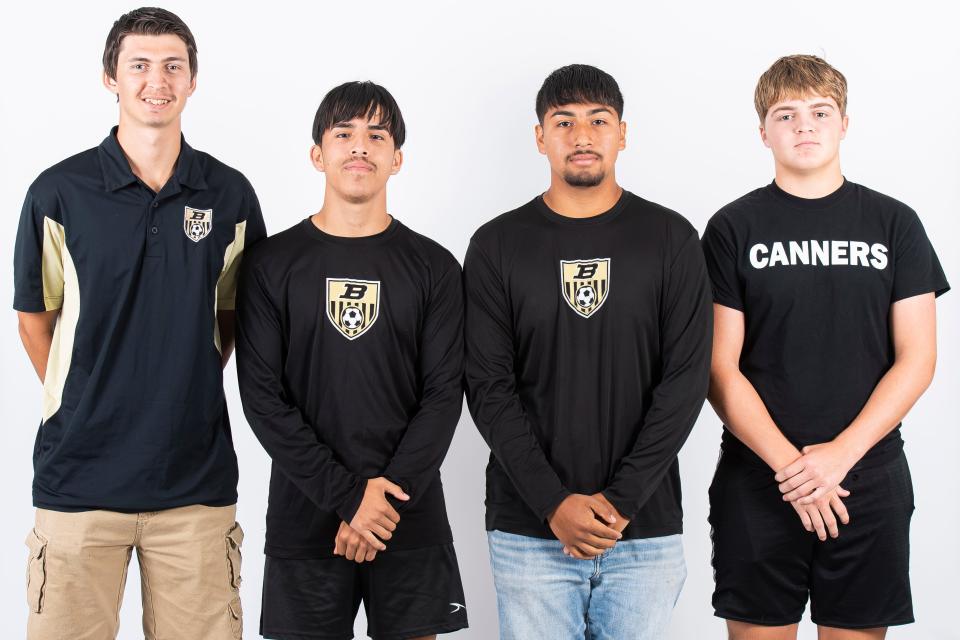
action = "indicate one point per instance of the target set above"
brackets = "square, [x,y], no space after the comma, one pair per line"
[221,175]
[884,205]
[741,208]
[432,253]
[673,223]
[277,251]
[82,167]
[505,226]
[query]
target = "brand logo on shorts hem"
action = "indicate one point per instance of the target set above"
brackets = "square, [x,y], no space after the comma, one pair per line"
[457,607]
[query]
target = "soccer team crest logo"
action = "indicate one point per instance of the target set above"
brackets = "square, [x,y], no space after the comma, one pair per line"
[197,223]
[585,284]
[352,305]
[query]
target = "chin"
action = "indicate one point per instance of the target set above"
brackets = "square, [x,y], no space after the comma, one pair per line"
[357,197]
[584,179]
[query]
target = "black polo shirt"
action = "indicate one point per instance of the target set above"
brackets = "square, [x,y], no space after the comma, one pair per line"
[134,417]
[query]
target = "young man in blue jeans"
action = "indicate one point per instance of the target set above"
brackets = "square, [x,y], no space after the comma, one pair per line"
[588,334]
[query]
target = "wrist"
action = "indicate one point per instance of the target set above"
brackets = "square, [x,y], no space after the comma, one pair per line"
[850,449]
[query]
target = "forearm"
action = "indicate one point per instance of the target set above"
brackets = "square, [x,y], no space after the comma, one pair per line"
[890,401]
[424,446]
[738,404]
[36,333]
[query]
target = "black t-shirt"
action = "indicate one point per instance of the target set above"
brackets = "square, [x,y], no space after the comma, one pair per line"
[350,361]
[134,417]
[815,279]
[588,353]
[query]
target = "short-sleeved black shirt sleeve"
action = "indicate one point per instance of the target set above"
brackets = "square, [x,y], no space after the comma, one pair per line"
[815,279]
[133,415]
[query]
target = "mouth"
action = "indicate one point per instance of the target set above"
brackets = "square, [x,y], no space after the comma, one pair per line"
[358,166]
[584,158]
[806,145]
[157,102]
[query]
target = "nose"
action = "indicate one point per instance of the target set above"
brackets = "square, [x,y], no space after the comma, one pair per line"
[582,137]
[359,147]
[156,77]
[805,124]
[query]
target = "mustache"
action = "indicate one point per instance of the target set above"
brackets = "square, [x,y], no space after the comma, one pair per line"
[363,160]
[585,153]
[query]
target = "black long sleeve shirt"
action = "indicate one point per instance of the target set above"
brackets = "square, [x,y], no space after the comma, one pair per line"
[350,361]
[588,353]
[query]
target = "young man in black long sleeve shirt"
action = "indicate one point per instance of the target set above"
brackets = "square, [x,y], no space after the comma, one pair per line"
[350,361]
[588,353]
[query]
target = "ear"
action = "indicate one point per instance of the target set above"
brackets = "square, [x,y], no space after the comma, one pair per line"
[538,132]
[397,162]
[763,137]
[623,135]
[316,157]
[193,85]
[843,126]
[110,84]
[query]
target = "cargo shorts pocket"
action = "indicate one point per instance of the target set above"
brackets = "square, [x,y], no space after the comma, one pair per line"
[235,611]
[36,570]
[234,557]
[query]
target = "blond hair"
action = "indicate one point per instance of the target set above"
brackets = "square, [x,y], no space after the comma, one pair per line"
[799,76]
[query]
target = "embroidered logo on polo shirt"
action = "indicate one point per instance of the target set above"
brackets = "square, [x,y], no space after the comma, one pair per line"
[585,284]
[352,305]
[197,223]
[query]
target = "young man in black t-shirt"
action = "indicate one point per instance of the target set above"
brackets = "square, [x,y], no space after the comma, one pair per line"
[588,351]
[350,359]
[824,338]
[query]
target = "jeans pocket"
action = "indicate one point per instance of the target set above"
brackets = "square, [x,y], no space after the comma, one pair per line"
[36,570]
[234,540]
[235,611]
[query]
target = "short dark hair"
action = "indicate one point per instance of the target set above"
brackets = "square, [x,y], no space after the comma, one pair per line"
[359,100]
[147,21]
[578,84]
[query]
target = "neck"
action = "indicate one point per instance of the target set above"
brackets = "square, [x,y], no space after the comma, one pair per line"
[815,183]
[339,217]
[152,153]
[581,202]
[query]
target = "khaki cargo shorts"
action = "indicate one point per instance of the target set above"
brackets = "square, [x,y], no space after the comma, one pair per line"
[189,572]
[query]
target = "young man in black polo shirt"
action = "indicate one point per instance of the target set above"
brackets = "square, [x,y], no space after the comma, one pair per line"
[588,351]
[824,338]
[125,270]
[350,358]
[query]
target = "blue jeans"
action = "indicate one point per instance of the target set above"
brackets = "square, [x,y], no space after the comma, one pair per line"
[626,593]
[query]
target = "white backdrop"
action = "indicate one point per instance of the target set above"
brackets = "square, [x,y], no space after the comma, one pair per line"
[465,76]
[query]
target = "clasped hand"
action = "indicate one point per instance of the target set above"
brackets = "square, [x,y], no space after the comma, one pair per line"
[374,522]
[811,484]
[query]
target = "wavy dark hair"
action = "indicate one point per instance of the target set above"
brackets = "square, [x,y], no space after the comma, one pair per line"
[359,100]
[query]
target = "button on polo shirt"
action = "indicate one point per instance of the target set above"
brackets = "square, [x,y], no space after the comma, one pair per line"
[134,416]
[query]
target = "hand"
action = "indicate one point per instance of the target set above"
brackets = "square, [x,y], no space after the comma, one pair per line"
[819,516]
[352,545]
[376,519]
[619,525]
[818,471]
[575,524]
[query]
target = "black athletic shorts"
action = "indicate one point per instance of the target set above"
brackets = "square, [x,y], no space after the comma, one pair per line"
[405,594]
[765,563]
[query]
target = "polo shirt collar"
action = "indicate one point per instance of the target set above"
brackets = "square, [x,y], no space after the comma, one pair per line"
[117,172]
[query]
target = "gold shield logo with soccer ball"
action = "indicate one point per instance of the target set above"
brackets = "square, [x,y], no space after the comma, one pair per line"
[352,305]
[585,284]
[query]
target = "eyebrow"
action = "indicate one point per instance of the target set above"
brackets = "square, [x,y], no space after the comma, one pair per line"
[349,125]
[571,114]
[820,105]
[168,59]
